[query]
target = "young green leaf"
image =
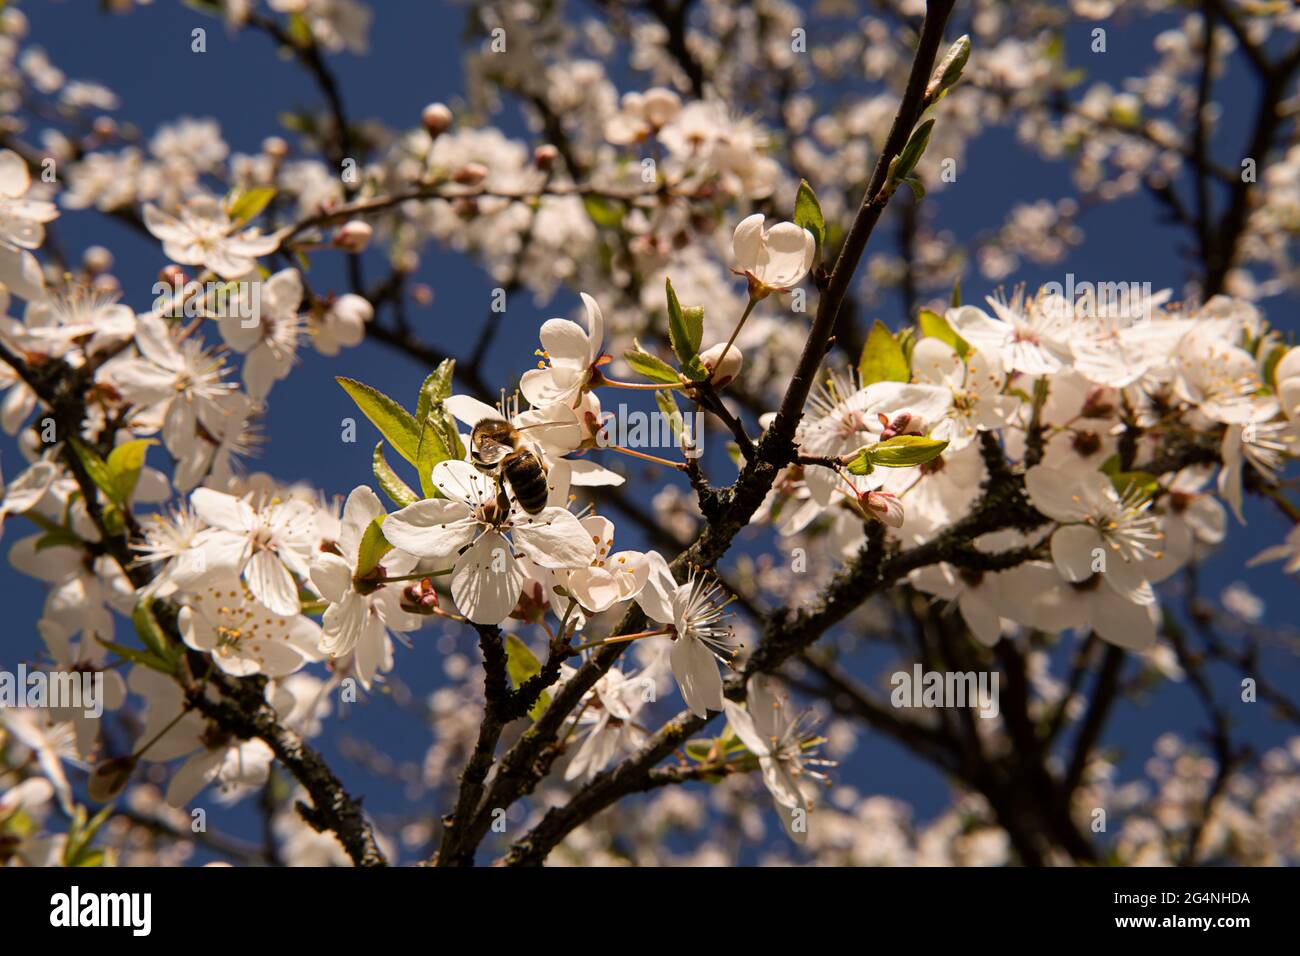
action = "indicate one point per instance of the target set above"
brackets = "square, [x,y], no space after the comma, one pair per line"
[124,465]
[247,205]
[808,213]
[373,548]
[912,152]
[861,463]
[95,466]
[905,451]
[436,388]
[1130,482]
[935,326]
[651,366]
[882,358]
[150,632]
[521,663]
[685,327]
[606,213]
[433,449]
[136,656]
[672,414]
[393,421]
[399,493]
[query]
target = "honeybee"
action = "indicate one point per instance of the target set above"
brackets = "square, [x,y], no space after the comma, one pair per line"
[495,449]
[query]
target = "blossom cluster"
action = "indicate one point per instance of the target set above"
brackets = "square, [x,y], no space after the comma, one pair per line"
[1037,462]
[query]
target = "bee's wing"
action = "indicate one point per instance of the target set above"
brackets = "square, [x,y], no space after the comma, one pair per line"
[490,451]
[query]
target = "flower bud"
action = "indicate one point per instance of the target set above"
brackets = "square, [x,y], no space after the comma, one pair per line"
[353,236]
[275,147]
[949,70]
[436,118]
[544,156]
[722,369]
[420,598]
[104,127]
[97,259]
[173,275]
[884,507]
[471,174]
[109,778]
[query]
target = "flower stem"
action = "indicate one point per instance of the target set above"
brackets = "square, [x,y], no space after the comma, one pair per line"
[614,383]
[621,639]
[642,455]
[418,576]
[753,301]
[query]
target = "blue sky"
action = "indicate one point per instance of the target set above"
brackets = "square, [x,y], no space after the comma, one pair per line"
[415,58]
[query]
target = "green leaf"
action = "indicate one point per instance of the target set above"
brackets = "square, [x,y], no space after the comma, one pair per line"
[124,465]
[685,327]
[700,749]
[77,851]
[918,187]
[861,463]
[1126,482]
[95,467]
[433,449]
[651,366]
[399,493]
[935,326]
[372,549]
[151,634]
[1270,365]
[668,408]
[249,204]
[912,152]
[604,212]
[955,299]
[882,358]
[808,213]
[521,663]
[436,389]
[58,538]
[137,656]
[901,451]
[393,421]
[299,30]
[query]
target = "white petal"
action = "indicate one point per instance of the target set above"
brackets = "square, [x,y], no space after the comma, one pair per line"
[222,510]
[555,539]
[271,583]
[747,242]
[433,528]
[656,598]
[332,576]
[1055,493]
[1072,551]
[487,580]
[697,675]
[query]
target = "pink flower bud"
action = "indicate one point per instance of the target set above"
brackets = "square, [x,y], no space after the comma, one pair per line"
[471,174]
[353,236]
[724,369]
[436,118]
[275,147]
[884,507]
[545,155]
